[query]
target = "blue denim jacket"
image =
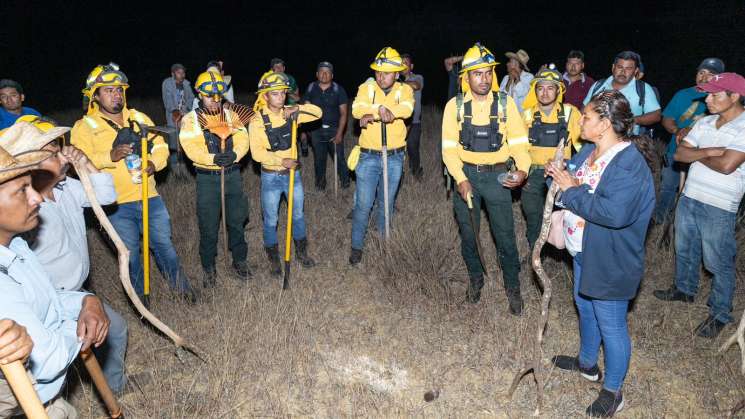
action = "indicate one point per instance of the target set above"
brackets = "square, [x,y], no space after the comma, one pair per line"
[616,219]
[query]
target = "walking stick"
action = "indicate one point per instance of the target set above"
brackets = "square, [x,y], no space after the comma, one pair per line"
[384,154]
[472,217]
[336,172]
[222,204]
[123,256]
[145,220]
[24,391]
[99,380]
[290,194]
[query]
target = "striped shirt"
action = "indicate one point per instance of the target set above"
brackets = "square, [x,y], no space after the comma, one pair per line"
[707,185]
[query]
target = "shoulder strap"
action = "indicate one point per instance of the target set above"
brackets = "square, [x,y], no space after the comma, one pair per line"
[598,85]
[267,122]
[641,91]
[458,104]
[502,109]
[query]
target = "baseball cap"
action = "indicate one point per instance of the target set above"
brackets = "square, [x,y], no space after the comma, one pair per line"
[714,65]
[325,64]
[730,82]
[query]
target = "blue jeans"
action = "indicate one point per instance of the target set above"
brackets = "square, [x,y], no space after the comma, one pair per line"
[127,220]
[111,354]
[669,183]
[370,189]
[705,230]
[602,321]
[273,186]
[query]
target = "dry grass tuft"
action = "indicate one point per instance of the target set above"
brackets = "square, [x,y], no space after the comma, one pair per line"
[381,339]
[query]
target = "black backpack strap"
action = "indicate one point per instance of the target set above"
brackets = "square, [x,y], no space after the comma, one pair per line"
[641,91]
[597,86]
[494,111]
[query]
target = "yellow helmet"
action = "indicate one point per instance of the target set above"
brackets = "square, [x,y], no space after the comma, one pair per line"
[388,60]
[549,74]
[44,124]
[211,83]
[273,81]
[104,75]
[477,56]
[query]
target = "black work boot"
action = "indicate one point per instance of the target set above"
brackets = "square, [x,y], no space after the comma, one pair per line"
[355,257]
[210,278]
[242,271]
[710,328]
[673,294]
[273,254]
[301,253]
[475,283]
[516,301]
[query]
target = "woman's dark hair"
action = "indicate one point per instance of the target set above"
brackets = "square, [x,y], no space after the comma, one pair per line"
[613,106]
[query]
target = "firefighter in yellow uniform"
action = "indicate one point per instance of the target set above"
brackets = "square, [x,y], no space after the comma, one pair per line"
[380,100]
[212,155]
[549,121]
[482,133]
[270,132]
[108,134]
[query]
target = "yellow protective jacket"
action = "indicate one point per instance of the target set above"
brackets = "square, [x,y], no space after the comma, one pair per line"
[514,136]
[540,155]
[94,136]
[260,147]
[399,100]
[192,140]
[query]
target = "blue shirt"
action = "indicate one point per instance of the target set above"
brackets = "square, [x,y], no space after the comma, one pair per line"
[650,99]
[7,119]
[50,316]
[679,109]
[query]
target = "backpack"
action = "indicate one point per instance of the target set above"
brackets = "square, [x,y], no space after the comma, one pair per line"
[641,91]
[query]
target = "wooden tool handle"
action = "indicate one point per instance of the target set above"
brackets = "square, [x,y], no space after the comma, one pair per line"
[24,391]
[99,380]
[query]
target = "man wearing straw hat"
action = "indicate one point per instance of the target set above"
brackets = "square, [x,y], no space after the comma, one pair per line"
[271,145]
[106,134]
[59,241]
[380,100]
[60,323]
[517,81]
[214,157]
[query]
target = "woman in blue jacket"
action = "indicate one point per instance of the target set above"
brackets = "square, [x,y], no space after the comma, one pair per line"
[609,202]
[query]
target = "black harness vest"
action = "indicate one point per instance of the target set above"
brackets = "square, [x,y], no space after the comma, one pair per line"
[481,138]
[280,138]
[544,134]
[212,141]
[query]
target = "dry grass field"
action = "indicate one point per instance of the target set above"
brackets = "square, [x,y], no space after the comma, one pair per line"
[370,341]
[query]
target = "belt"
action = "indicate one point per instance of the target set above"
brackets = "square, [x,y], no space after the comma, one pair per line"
[486,168]
[228,169]
[282,172]
[380,152]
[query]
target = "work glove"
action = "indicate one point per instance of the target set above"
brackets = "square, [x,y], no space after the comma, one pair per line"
[225,159]
[127,136]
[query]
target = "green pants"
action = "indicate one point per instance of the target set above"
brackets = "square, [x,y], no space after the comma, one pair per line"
[498,202]
[209,212]
[532,199]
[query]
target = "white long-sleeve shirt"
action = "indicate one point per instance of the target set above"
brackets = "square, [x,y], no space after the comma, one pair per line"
[50,316]
[519,90]
[60,243]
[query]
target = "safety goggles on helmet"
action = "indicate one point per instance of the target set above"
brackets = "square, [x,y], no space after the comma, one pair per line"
[472,61]
[273,81]
[211,84]
[106,75]
[388,60]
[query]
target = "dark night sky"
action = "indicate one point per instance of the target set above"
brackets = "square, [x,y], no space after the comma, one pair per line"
[51,46]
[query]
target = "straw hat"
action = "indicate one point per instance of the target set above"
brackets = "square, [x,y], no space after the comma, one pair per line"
[521,56]
[14,166]
[22,137]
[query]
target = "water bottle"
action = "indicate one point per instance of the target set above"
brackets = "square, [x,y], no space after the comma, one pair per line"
[134,166]
[504,177]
